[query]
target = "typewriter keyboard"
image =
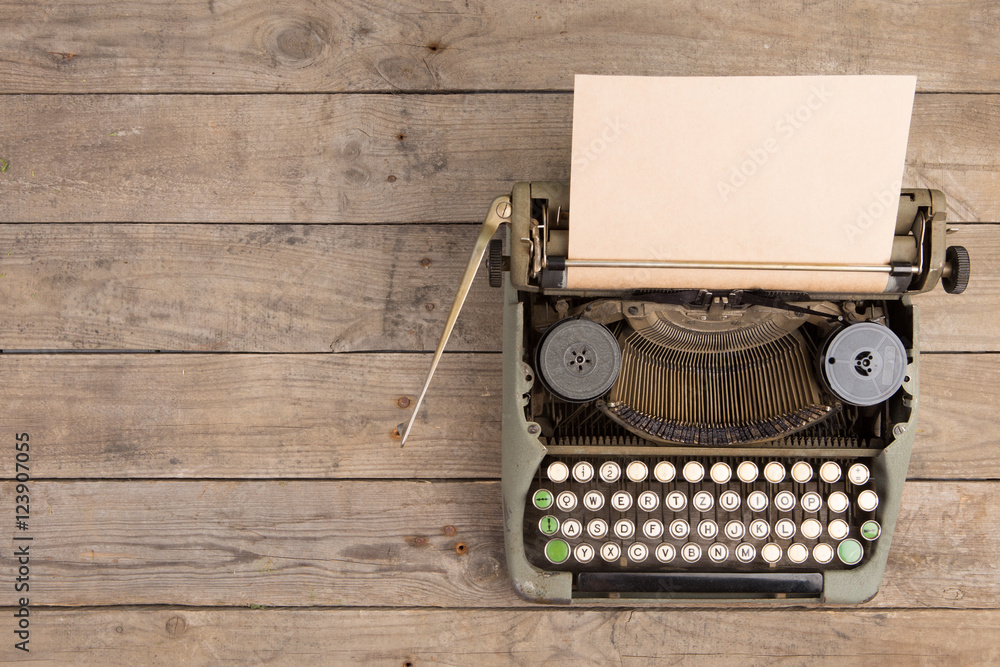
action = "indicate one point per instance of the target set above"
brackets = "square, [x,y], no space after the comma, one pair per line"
[671,513]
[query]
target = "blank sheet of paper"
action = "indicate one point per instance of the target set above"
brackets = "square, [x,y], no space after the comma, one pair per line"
[746,169]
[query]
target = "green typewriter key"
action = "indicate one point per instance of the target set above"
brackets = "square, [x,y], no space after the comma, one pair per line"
[850,552]
[542,499]
[549,525]
[557,551]
[870,530]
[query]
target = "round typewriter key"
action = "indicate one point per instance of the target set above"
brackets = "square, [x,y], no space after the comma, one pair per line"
[774,472]
[785,501]
[636,471]
[858,474]
[652,529]
[694,471]
[757,501]
[691,552]
[679,528]
[597,528]
[558,472]
[823,553]
[867,500]
[648,501]
[812,502]
[665,552]
[583,471]
[566,501]
[747,471]
[838,529]
[837,502]
[584,553]
[610,471]
[745,552]
[802,472]
[721,473]
[759,529]
[624,528]
[870,530]
[664,471]
[771,552]
[572,528]
[850,552]
[829,472]
[718,552]
[729,501]
[549,525]
[735,530]
[557,551]
[637,552]
[811,529]
[676,501]
[708,529]
[621,500]
[702,501]
[593,500]
[798,553]
[611,552]
[542,499]
[785,529]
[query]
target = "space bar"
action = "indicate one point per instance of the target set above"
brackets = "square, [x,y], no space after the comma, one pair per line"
[763,583]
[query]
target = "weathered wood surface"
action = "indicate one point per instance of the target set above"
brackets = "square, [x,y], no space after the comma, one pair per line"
[360,158]
[219,45]
[334,416]
[316,288]
[497,637]
[403,543]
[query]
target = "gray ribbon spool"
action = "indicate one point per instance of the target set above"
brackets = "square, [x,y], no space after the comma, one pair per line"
[864,364]
[579,360]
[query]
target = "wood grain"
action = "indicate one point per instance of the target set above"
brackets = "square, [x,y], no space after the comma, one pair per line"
[360,158]
[226,46]
[524,636]
[373,544]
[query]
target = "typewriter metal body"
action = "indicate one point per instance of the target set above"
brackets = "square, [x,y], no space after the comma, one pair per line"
[694,444]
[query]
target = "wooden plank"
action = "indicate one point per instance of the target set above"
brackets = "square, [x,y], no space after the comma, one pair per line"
[526,636]
[194,46]
[359,158]
[334,416]
[371,544]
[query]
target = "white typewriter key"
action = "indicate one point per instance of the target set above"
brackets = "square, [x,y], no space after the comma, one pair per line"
[583,472]
[811,529]
[829,472]
[858,474]
[702,501]
[694,471]
[665,552]
[718,552]
[867,500]
[838,529]
[785,501]
[798,553]
[593,500]
[676,501]
[610,471]
[745,552]
[637,552]
[708,529]
[679,528]
[624,528]
[747,471]
[652,529]
[729,501]
[759,529]
[771,552]
[735,530]
[583,553]
[636,471]
[823,553]
[597,528]
[811,502]
[558,472]
[621,500]
[648,501]
[757,501]
[838,502]
[721,473]
[611,552]
[691,552]
[802,472]
[566,501]
[785,529]
[664,471]
[572,528]
[774,472]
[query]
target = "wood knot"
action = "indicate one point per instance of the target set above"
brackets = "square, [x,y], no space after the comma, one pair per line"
[295,42]
[176,626]
[435,46]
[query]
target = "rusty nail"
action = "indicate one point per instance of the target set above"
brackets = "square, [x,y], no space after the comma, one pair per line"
[425,262]
[429,306]
[450,530]
[403,402]
[461,548]
[391,179]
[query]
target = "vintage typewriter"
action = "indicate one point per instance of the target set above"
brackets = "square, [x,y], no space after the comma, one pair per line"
[691,444]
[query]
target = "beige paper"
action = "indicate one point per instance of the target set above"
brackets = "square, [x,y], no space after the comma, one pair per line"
[748,169]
